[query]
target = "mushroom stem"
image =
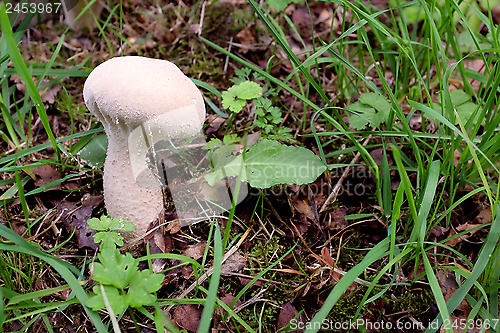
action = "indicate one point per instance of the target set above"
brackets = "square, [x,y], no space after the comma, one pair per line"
[124,196]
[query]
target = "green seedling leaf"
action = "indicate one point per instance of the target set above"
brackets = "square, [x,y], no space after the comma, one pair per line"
[268,163]
[213,144]
[114,269]
[283,133]
[459,97]
[234,99]
[462,102]
[108,238]
[94,152]
[371,108]
[230,138]
[116,299]
[99,224]
[106,223]
[142,285]
[376,101]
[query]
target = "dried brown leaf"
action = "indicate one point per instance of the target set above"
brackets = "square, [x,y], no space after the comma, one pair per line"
[46,174]
[287,313]
[174,227]
[75,215]
[187,316]
[325,253]
[459,229]
[304,208]
[195,251]
[235,263]
[227,299]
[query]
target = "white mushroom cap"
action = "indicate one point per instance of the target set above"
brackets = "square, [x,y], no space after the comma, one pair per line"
[136,89]
[131,96]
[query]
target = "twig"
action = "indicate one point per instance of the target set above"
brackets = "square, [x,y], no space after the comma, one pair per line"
[333,196]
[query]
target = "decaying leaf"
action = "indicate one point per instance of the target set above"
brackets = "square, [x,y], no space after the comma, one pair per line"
[227,299]
[45,175]
[174,227]
[187,316]
[303,207]
[195,251]
[75,216]
[460,228]
[325,253]
[235,263]
[287,313]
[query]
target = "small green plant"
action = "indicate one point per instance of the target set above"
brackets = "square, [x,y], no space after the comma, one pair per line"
[268,116]
[234,99]
[280,4]
[107,228]
[463,105]
[371,108]
[120,283]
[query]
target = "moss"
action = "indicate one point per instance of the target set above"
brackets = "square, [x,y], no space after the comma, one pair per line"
[385,311]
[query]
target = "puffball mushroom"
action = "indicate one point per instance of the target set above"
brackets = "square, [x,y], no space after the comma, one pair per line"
[139,101]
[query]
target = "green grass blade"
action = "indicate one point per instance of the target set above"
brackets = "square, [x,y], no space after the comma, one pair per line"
[64,269]
[209,306]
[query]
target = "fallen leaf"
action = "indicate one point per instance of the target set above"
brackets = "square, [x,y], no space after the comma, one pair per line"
[187,316]
[304,208]
[438,231]
[449,285]
[235,263]
[337,219]
[246,37]
[484,216]
[227,299]
[49,94]
[287,313]
[158,245]
[459,229]
[174,227]
[46,174]
[195,251]
[244,281]
[75,215]
[325,253]
[214,124]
